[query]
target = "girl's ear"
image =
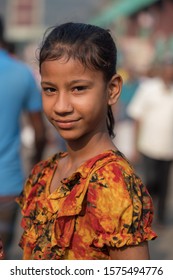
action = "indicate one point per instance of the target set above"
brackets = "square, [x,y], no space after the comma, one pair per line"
[114,89]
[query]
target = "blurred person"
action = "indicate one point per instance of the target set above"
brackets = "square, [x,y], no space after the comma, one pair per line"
[18,93]
[152,110]
[86,203]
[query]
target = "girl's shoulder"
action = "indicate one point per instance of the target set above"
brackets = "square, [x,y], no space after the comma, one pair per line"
[111,159]
[118,203]
[116,174]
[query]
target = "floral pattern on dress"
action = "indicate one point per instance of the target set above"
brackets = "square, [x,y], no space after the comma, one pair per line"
[103,204]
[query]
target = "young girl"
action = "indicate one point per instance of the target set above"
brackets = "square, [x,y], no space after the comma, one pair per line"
[86,203]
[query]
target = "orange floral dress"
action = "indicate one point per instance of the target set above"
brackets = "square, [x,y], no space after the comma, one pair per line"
[101,206]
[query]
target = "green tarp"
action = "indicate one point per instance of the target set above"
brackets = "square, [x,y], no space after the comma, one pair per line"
[119,9]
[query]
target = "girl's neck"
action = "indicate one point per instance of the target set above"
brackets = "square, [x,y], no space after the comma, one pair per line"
[80,151]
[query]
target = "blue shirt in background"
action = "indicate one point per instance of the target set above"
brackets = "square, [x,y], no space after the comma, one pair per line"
[18,92]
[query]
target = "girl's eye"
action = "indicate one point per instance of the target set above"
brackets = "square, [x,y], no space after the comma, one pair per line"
[79,88]
[49,90]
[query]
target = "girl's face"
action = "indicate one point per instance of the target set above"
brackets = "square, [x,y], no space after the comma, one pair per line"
[75,98]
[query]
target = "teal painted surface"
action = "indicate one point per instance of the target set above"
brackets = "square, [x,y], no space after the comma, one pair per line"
[119,9]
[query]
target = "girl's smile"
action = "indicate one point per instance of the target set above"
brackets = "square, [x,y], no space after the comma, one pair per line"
[65,124]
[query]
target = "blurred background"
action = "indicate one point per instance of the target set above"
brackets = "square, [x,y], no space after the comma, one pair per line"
[143,32]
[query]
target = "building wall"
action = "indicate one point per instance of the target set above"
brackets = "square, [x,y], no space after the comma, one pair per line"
[27,19]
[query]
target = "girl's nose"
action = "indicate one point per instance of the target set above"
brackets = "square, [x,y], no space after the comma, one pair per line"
[63,104]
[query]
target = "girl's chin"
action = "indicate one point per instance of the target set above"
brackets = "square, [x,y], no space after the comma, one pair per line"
[68,135]
[71,136]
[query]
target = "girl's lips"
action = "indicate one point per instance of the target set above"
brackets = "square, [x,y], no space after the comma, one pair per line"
[67,124]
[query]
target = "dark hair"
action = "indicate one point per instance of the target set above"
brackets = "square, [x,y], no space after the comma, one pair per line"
[93,46]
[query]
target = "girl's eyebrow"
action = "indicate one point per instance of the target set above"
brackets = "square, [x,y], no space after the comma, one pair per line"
[80,81]
[69,83]
[47,83]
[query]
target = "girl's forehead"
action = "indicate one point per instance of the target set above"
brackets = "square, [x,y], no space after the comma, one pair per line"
[72,64]
[64,67]
[84,60]
[64,72]
[64,61]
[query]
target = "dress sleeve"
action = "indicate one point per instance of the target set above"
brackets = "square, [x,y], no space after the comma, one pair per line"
[119,207]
